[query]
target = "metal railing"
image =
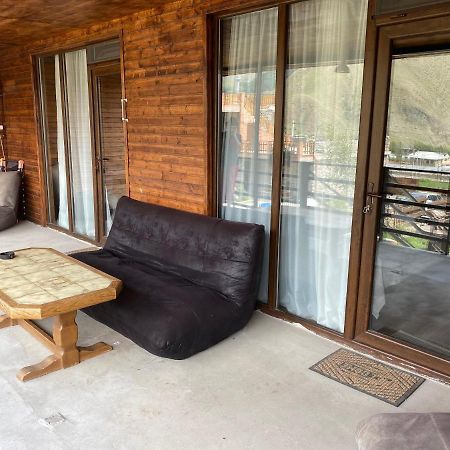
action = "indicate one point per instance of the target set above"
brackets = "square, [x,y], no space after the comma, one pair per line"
[415,210]
[304,183]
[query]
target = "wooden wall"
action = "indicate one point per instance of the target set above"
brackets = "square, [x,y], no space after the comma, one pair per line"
[165,70]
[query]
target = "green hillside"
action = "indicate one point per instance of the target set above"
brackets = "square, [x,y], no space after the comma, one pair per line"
[325,104]
[420,103]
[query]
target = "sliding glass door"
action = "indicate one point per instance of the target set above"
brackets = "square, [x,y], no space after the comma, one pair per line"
[324,74]
[291,87]
[81,125]
[403,305]
[67,138]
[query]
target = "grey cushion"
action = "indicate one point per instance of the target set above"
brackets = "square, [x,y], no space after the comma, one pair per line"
[405,431]
[9,198]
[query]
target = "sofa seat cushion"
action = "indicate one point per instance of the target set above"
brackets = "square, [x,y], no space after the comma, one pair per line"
[165,313]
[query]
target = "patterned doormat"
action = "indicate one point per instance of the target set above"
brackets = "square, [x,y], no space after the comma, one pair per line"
[379,380]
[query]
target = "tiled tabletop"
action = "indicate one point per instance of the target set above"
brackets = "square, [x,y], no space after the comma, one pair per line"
[40,276]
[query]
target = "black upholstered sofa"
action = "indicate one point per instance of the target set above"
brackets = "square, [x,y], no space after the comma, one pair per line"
[190,281]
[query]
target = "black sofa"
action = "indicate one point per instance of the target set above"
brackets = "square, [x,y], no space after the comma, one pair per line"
[9,198]
[190,281]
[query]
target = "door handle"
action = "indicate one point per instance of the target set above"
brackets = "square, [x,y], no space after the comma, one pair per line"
[370,196]
[99,162]
[123,102]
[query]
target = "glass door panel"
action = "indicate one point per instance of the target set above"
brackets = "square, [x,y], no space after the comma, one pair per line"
[110,147]
[248,69]
[324,74]
[410,299]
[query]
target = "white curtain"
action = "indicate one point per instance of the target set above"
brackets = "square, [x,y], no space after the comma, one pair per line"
[248,105]
[63,213]
[323,97]
[80,142]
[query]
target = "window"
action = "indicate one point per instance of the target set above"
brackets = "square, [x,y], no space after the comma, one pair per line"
[304,182]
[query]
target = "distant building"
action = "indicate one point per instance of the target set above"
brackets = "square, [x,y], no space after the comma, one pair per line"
[421,158]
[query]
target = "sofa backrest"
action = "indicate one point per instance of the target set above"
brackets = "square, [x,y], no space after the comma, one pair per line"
[223,255]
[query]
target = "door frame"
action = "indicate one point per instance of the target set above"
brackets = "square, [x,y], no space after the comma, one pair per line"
[424,33]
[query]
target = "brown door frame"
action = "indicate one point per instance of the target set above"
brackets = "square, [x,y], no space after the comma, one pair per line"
[420,33]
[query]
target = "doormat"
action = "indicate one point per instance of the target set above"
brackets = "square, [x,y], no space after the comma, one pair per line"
[366,375]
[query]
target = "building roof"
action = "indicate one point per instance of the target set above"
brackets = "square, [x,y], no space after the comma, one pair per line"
[420,154]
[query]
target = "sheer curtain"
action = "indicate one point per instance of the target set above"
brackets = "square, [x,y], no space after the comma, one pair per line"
[80,142]
[248,106]
[323,97]
[63,213]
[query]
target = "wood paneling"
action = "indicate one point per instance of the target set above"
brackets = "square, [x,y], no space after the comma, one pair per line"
[28,20]
[165,83]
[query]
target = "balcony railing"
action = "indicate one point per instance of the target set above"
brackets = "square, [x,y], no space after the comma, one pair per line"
[416,209]
[304,183]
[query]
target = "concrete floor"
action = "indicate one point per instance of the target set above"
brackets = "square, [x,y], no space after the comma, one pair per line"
[252,391]
[27,234]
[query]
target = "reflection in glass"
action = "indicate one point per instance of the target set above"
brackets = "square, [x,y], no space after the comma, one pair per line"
[411,281]
[322,112]
[248,110]
[112,150]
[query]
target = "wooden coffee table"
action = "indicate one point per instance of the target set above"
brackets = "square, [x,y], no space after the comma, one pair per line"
[40,283]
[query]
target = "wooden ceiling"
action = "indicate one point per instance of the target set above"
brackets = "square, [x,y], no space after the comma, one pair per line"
[22,21]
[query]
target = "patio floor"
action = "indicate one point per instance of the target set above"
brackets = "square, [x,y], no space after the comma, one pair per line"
[252,391]
[27,234]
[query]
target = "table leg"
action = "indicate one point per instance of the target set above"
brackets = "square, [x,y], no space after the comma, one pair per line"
[93,350]
[6,322]
[65,336]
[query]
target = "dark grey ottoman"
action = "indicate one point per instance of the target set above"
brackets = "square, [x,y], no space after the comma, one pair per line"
[405,431]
